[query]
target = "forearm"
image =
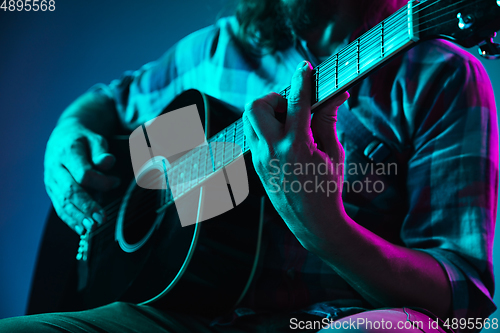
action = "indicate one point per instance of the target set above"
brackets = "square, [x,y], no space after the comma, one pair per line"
[93,110]
[385,274]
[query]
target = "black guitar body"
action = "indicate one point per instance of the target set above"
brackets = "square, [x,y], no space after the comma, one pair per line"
[206,267]
[213,278]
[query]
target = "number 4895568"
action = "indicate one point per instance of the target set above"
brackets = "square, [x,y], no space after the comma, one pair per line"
[28,5]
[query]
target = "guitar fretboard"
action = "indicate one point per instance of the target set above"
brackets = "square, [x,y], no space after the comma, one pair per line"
[333,76]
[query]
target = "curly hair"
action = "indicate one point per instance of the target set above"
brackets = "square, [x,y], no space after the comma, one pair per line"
[263,24]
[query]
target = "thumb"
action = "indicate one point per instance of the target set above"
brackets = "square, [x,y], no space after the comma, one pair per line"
[99,152]
[298,120]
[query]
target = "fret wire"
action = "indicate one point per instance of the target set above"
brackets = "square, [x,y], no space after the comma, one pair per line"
[330,72]
[194,168]
[375,50]
[390,34]
[176,173]
[234,141]
[216,152]
[245,139]
[387,28]
[329,77]
[172,178]
[382,40]
[222,147]
[397,22]
[347,79]
[230,143]
[228,148]
[316,72]
[388,23]
[358,57]
[236,133]
[179,180]
[187,173]
[190,165]
[376,40]
[192,178]
[184,164]
[330,68]
[185,176]
[191,160]
[206,162]
[370,34]
[198,169]
[401,42]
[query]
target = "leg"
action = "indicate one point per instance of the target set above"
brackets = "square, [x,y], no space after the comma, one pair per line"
[386,320]
[116,317]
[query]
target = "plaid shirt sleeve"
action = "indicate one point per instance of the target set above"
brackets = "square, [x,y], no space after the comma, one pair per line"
[142,95]
[452,178]
[449,118]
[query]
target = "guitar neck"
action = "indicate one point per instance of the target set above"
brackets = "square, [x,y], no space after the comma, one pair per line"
[368,52]
[330,78]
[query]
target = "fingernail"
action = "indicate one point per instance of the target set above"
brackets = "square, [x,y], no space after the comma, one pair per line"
[98,218]
[88,223]
[79,229]
[302,64]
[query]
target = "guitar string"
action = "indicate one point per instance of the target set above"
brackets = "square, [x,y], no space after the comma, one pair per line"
[236,125]
[206,166]
[330,70]
[440,9]
[342,81]
[395,22]
[449,12]
[329,63]
[372,51]
[428,3]
[112,207]
[386,24]
[394,43]
[371,47]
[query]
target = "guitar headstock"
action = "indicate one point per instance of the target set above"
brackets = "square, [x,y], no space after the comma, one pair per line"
[465,22]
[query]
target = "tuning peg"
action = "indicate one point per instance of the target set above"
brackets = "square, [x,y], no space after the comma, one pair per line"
[489,49]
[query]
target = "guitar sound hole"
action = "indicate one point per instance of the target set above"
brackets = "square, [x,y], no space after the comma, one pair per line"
[141,211]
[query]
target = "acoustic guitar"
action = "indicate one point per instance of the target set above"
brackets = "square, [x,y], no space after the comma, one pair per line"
[143,255]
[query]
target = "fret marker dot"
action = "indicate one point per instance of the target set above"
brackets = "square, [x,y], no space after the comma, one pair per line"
[347,63]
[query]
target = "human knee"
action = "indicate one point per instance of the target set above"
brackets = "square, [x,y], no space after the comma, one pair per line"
[27,324]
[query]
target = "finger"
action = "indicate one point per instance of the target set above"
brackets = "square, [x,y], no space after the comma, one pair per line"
[261,115]
[67,216]
[104,161]
[76,161]
[299,102]
[327,112]
[69,193]
[98,146]
[250,135]
[324,129]
[99,152]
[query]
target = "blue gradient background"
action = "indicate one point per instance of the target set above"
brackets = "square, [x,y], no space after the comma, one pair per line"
[47,59]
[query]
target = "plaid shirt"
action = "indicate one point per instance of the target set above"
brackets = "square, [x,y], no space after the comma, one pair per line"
[433,106]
